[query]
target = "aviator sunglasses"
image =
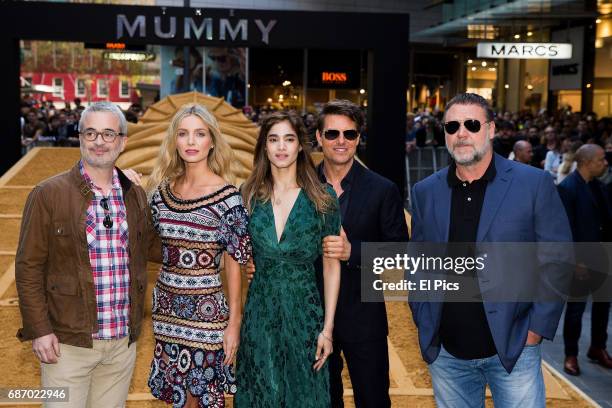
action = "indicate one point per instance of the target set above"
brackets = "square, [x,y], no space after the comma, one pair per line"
[108,221]
[472,125]
[333,134]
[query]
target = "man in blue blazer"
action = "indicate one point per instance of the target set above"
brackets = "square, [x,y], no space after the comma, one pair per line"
[483,197]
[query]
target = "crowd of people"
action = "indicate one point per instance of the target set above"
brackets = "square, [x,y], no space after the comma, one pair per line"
[547,141]
[44,124]
[544,140]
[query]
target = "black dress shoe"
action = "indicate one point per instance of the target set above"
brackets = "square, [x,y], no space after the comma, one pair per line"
[600,356]
[571,365]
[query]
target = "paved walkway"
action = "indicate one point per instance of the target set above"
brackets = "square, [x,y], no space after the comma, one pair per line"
[594,380]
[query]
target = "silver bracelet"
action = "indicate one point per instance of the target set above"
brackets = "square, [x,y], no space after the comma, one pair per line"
[325,337]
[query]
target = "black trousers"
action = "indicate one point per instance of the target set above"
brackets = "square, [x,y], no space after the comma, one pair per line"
[572,326]
[368,365]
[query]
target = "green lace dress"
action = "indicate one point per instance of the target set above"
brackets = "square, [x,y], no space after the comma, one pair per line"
[283,313]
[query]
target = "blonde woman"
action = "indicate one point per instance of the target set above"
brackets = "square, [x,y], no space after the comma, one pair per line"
[568,160]
[200,219]
[287,333]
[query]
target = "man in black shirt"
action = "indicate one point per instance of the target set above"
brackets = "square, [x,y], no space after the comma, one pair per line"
[371,209]
[481,198]
[590,215]
[466,205]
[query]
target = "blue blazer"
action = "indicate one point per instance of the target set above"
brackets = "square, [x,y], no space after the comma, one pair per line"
[521,204]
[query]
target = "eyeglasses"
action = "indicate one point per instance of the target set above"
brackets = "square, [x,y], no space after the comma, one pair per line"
[333,134]
[472,125]
[108,221]
[108,135]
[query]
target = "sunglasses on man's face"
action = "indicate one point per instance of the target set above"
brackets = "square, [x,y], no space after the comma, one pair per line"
[333,134]
[472,125]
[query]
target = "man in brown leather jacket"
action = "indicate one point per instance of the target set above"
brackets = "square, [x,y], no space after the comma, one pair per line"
[80,269]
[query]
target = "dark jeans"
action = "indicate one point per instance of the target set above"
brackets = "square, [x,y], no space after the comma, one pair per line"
[572,326]
[368,365]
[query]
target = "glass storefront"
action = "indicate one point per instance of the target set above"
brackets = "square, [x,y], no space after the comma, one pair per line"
[482,77]
[267,78]
[509,84]
[277,78]
[602,99]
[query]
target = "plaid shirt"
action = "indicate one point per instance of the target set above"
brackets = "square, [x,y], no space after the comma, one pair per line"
[109,257]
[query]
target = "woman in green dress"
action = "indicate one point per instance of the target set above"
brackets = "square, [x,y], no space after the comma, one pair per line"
[286,333]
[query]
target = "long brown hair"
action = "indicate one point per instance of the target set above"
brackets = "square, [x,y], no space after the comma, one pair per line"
[259,185]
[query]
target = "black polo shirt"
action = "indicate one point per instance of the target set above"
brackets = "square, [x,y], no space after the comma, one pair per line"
[346,185]
[464,330]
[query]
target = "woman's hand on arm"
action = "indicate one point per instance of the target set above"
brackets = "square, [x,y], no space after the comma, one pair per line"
[133,176]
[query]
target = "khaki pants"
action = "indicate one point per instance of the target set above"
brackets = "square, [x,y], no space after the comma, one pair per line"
[97,377]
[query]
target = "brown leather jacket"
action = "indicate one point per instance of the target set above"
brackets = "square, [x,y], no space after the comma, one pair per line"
[52,268]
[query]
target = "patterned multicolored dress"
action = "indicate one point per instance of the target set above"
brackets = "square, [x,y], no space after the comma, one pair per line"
[190,311]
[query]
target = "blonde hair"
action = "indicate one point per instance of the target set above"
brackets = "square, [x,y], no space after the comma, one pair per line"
[169,164]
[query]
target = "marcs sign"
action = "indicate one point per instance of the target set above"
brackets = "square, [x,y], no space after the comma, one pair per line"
[524,50]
